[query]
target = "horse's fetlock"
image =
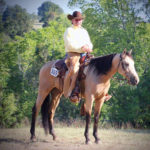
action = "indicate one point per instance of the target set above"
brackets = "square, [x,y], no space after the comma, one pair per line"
[33,138]
[87,141]
[86,134]
[95,134]
[97,140]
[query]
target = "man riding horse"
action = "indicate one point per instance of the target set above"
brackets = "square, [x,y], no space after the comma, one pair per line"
[77,43]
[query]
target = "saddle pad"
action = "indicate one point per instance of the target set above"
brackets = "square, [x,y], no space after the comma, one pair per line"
[54,72]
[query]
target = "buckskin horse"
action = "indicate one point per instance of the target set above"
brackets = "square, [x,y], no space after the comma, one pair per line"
[94,87]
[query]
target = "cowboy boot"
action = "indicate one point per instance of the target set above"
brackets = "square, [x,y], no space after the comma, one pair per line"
[74,98]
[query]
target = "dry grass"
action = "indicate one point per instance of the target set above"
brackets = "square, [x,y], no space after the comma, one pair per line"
[71,138]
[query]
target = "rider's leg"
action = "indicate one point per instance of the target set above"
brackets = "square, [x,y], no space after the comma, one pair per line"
[73,64]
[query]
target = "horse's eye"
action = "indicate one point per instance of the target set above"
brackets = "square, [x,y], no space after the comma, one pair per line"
[126,64]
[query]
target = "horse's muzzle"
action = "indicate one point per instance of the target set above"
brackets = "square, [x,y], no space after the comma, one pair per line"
[134,80]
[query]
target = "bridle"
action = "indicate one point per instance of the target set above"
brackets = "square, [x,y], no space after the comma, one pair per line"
[120,62]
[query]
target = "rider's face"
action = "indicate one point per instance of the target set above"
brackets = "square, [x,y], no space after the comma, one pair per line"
[77,22]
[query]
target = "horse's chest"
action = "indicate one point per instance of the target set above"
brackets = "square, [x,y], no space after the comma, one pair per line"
[94,85]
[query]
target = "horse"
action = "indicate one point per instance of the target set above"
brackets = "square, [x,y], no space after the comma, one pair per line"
[94,87]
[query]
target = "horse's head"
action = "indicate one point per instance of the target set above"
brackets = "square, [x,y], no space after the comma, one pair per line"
[127,69]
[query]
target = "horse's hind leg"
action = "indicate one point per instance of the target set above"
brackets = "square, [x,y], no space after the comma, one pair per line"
[98,106]
[32,130]
[55,94]
[35,110]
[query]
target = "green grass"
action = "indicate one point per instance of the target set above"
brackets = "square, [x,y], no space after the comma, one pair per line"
[71,138]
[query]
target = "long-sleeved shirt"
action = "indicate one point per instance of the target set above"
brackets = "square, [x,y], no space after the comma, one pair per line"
[75,38]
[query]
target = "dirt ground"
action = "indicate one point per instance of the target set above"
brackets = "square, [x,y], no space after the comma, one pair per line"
[72,139]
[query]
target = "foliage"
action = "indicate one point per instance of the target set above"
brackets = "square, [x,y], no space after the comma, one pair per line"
[21,61]
[2,6]
[7,110]
[48,11]
[115,25]
[16,21]
[112,25]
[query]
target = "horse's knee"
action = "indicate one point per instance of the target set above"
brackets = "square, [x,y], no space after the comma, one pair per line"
[51,116]
[87,109]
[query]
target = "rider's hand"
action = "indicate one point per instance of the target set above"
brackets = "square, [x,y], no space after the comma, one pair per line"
[86,48]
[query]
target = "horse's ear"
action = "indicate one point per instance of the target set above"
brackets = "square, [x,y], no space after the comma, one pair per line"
[130,52]
[124,53]
[125,50]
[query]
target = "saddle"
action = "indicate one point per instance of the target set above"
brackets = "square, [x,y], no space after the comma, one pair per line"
[62,68]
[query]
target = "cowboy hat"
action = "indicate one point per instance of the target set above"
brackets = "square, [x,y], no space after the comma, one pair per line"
[75,15]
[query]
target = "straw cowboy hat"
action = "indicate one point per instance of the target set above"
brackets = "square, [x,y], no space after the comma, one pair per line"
[75,15]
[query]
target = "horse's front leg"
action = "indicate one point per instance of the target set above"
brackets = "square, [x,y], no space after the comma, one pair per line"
[98,106]
[86,133]
[88,109]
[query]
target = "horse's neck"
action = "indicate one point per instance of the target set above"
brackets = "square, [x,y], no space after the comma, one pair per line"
[105,78]
[114,69]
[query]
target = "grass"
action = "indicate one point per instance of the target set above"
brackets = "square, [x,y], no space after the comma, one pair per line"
[71,138]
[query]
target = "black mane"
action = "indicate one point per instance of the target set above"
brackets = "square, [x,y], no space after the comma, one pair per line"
[101,64]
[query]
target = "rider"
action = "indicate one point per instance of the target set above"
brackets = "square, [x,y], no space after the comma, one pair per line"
[77,41]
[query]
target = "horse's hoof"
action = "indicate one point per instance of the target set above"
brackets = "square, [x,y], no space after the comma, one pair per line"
[54,138]
[98,141]
[33,139]
[88,142]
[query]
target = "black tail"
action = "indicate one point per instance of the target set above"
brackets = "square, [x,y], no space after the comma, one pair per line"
[45,114]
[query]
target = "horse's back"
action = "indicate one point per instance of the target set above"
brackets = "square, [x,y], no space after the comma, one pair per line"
[45,70]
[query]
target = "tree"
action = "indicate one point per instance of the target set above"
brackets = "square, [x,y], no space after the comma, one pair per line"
[8,109]
[114,25]
[33,50]
[48,11]
[16,21]
[144,9]
[2,7]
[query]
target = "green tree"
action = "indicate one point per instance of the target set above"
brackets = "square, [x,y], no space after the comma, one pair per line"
[2,7]
[8,98]
[16,21]
[48,11]
[144,9]
[114,25]
[8,110]
[33,50]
